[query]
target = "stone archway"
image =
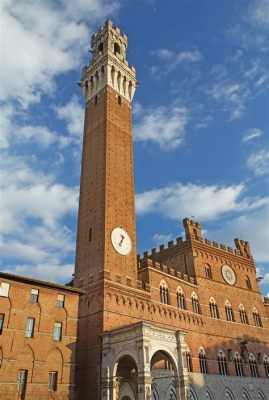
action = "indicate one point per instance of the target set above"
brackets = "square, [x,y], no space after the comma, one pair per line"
[126,379]
[163,374]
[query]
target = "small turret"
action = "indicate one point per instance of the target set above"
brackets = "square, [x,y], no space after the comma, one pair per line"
[192,229]
[243,247]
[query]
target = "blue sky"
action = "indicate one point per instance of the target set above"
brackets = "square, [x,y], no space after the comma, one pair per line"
[200,124]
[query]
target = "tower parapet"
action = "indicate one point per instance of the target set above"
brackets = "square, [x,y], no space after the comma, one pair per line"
[109,66]
[192,229]
[243,247]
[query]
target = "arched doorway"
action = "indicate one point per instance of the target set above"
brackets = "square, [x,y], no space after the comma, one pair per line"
[163,373]
[126,379]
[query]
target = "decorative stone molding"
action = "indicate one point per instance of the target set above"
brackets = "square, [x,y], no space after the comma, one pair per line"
[109,66]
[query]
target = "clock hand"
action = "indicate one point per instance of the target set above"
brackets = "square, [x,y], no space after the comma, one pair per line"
[122,238]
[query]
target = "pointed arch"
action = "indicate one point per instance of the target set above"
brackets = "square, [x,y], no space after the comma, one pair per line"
[222,362]
[171,392]
[193,395]
[195,303]
[208,394]
[55,362]
[181,301]
[260,395]
[164,292]
[214,311]
[244,395]
[227,394]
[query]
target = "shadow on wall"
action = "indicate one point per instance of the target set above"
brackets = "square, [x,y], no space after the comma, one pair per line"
[231,370]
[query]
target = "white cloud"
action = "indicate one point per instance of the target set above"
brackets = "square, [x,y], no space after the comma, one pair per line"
[162,125]
[171,59]
[206,203]
[39,134]
[34,209]
[232,95]
[188,56]
[161,238]
[73,115]
[252,227]
[252,133]
[40,41]
[5,131]
[204,122]
[48,272]
[259,13]
[259,162]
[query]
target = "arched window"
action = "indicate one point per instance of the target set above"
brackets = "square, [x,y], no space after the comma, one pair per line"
[238,363]
[253,366]
[256,318]
[208,272]
[243,315]
[100,48]
[223,370]
[229,312]
[248,283]
[266,365]
[164,294]
[181,303]
[116,48]
[189,361]
[203,361]
[214,311]
[195,303]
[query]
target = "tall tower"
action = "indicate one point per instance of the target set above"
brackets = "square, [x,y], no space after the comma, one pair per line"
[106,236]
[106,221]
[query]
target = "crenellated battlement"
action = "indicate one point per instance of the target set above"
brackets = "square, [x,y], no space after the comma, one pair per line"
[108,66]
[193,231]
[148,263]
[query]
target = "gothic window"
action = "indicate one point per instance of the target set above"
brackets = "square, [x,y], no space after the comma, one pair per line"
[243,315]
[257,318]
[195,303]
[181,303]
[253,366]
[189,361]
[214,311]
[164,294]
[266,366]
[208,272]
[248,283]
[223,370]
[203,362]
[238,363]
[229,312]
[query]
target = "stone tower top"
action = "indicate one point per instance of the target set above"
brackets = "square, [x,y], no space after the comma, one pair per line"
[109,65]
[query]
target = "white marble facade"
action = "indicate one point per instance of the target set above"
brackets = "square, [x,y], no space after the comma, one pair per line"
[143,362]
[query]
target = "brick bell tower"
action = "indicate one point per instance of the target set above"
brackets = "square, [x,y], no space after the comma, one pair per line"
[106,235]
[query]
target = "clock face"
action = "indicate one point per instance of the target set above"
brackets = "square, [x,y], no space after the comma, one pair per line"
[228,274]
[121,241]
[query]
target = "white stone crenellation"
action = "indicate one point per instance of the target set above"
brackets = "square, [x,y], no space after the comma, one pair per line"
[109,66]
